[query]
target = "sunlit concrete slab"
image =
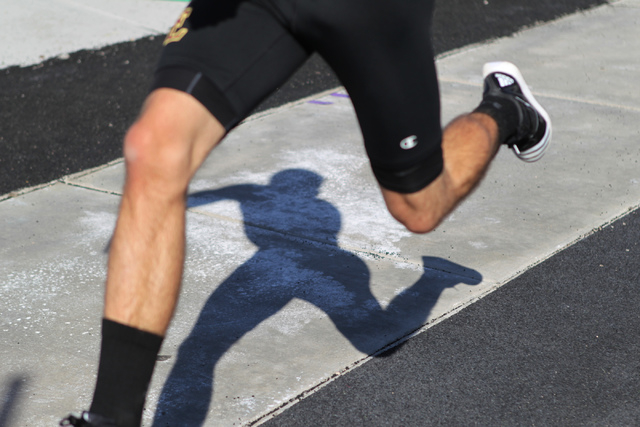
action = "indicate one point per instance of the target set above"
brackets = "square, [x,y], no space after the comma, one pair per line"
[585,57]
[41,29]
[52,270]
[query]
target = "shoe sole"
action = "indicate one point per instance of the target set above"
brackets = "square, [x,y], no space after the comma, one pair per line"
[537,151]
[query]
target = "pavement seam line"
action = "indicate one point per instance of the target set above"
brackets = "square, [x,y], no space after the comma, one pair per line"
[551,96]
[352,249]
[67,180]
[91,188]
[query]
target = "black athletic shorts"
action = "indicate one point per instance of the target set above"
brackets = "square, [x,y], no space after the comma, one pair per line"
[231,54]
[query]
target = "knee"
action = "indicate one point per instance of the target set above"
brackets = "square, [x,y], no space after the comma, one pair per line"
[153,157]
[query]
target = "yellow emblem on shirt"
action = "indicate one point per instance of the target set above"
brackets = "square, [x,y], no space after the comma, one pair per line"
[178,31]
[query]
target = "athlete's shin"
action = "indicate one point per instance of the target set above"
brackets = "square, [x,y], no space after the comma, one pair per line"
[469,144]
[147,249]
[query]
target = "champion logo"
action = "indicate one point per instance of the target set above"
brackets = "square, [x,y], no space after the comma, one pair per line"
[504,80]
[409,142]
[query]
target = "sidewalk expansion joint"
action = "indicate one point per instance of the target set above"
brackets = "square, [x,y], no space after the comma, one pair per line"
[90,188]
[329,244]
[552,96]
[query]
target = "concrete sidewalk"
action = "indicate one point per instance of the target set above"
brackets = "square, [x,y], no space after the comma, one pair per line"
[42,29]
[293,277]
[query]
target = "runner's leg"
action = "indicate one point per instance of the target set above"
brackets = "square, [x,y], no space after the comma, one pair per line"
[162,151]
[423,171]
[508,114]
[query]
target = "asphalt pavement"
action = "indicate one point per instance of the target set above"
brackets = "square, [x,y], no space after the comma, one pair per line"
[303,302]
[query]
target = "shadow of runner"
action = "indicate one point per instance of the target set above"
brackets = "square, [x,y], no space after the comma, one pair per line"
[286,268]
[10,399]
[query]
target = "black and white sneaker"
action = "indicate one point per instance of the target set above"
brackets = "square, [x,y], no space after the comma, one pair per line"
[504,80]
[87,419]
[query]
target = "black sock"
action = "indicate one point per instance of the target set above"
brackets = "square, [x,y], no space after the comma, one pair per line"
[127,359]
[504,112]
